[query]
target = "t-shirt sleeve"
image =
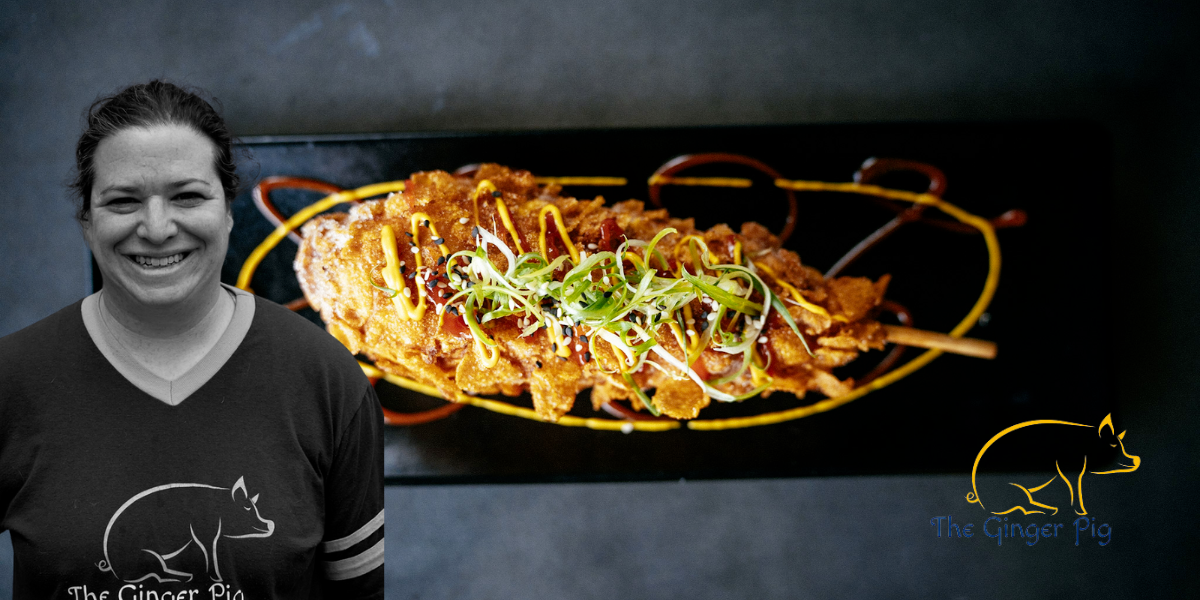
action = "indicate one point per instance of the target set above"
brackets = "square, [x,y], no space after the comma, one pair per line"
[352,550]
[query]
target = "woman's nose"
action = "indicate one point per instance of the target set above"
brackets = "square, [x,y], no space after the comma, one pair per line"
[158,222]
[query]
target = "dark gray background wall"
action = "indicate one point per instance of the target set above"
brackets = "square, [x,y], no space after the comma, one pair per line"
[372,66]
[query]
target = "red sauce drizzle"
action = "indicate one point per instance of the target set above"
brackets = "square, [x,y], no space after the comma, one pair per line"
[610,234]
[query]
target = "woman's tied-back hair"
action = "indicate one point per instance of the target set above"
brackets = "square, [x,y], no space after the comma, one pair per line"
[148,105]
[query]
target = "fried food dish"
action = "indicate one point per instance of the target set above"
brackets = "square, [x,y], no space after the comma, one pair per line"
[491,284]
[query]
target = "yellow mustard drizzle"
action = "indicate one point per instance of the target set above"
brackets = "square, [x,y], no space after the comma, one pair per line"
[693,337]
[556,334]
[562,232]
[485,186]
[732,182]
[508,224]
[489,354]
[394,280]
[799,299]
[303,215]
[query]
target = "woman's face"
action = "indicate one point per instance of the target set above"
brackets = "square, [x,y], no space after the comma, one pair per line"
[158,225]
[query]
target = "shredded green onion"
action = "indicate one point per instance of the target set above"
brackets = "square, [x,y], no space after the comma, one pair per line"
[622,305]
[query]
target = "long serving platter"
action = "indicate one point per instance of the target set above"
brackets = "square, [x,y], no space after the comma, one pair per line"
[1045,316]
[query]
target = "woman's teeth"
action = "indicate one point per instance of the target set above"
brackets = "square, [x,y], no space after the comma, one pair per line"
[149,261]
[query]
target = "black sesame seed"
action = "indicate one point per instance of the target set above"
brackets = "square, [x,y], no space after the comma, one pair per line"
[496,194]
[425,223]
[439,241]
[408,233]
[587,357]
[608,294]
[562,358]
[566,331]
[539,363]
[475,231]
[441,260]
[403,268]
[703,325]
[452,310]
[446,295]
[554,347]
[583,339]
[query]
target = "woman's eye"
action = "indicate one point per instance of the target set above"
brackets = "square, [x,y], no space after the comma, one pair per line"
[190,198]
[124,203]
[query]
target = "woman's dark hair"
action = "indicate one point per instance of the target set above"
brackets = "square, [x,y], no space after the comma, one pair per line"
[148,105]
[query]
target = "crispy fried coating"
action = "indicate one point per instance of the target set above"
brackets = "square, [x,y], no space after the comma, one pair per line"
[340,262]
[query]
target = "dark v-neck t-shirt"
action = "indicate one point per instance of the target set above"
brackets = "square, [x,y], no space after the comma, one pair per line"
[264,481]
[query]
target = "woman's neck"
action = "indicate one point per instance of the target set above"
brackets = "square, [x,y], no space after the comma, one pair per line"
[178,320]
[168,342]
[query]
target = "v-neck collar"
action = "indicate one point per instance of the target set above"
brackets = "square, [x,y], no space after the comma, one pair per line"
[171,392]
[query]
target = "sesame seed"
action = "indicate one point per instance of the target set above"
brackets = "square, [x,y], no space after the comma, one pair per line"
[712,316]
[539,363]
[691,321]
[407,293]
[691,332]
[441,260]
[408,233]
[446,295]
[416,250]
[627,427]
[463,221]
[762,339]
[425,223]
[420,280]
[593,247]
[439,241]
[496,194]
[578,347]
[587,357]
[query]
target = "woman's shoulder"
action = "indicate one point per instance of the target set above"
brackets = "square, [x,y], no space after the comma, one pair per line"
[54,334]
[301,339]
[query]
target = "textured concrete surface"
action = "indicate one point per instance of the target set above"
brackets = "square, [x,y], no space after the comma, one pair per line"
[363,66]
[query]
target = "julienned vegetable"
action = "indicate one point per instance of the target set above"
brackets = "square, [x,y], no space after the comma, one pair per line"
[615,299]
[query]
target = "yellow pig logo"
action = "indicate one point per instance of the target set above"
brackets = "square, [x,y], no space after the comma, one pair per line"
[1070,449]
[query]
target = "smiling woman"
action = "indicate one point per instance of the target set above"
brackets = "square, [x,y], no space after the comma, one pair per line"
[159,459]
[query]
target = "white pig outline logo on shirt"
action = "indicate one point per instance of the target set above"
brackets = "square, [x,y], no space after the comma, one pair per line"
[180,516]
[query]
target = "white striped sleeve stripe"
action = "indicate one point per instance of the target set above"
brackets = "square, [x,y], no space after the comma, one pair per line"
[350,568]
[363,533]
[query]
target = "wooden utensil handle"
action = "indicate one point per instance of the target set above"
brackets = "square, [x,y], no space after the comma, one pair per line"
[940,341]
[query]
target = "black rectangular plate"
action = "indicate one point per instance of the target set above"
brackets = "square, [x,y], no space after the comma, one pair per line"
[1052,362]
